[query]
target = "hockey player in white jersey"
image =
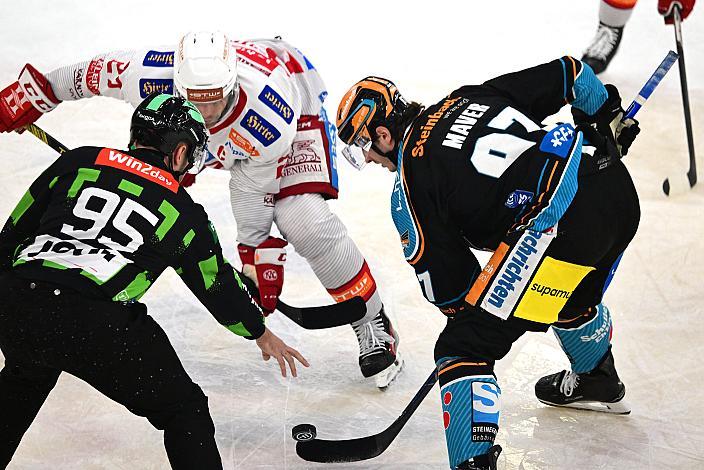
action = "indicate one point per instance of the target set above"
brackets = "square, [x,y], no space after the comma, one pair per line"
[262,101]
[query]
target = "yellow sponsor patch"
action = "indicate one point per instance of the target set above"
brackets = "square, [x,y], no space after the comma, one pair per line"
[550,289]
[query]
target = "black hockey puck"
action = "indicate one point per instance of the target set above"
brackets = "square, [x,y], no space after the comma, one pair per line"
[304,432]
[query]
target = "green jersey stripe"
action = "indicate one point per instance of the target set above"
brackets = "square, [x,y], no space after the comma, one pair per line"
[84,174]
[24,204]
[170,215]
[209,270]
[130,187]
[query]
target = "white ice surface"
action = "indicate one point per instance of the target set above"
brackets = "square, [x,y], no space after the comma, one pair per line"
[428,50]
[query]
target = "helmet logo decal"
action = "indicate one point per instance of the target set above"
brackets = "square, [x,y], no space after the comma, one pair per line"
[204,95]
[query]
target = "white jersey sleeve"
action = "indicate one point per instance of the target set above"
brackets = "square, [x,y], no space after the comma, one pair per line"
[129,75]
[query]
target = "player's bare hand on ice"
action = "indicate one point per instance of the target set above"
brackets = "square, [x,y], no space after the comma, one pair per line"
[273,346]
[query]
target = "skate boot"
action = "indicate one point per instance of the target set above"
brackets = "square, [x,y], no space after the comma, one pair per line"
[603,47]
[597,390]
[482,462]
[378,343]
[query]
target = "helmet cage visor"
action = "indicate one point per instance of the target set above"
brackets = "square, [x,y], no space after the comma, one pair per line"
[355,154]
[355,134]
[197,159]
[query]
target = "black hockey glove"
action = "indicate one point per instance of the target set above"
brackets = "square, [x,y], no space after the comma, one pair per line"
[604,129]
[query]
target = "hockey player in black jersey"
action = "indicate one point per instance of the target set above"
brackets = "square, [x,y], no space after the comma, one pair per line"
[86,241]
[478,170]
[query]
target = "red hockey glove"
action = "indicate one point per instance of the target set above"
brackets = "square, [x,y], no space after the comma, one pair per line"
[666,9]
[268,261]
[26,100]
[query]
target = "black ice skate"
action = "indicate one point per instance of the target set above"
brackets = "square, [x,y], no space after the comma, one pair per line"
[597,390]
[603,47]
[378,343]
[482,462]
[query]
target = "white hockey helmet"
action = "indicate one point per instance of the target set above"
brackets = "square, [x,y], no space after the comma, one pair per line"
[205,69]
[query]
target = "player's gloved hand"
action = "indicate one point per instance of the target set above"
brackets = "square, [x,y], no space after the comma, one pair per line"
[666,9]
[273,346]
[24,101]
[604,129]
[265,265]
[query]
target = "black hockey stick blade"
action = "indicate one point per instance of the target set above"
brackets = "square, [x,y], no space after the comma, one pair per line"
[363,448]
[325,316]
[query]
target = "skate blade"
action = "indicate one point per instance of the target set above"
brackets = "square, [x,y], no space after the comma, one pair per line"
[620,407]
[384,378]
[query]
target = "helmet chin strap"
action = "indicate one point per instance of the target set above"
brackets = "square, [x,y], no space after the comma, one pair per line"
[177,174]
[391,154]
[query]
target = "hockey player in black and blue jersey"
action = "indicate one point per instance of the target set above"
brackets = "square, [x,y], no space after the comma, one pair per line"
[84,244]
[477,170]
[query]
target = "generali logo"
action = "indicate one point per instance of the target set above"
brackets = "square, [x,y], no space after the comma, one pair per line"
[122,161]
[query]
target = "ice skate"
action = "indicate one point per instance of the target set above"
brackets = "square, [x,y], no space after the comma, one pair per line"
[603,47]
[378,344]
[482,462]
[597,390]
[384,378]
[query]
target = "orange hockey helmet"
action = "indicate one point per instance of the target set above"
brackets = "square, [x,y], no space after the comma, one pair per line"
[370,102]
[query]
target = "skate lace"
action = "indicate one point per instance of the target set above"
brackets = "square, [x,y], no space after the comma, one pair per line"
[603,43]
[372,336]
[569,383]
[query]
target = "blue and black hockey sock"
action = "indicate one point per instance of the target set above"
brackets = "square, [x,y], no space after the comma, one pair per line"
[470,406]
[586,339]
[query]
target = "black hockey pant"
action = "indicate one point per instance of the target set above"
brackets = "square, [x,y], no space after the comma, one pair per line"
[119,350]
[596,229]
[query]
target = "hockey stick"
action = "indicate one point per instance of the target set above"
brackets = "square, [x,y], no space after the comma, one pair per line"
[362,448]
[311,318]
[692,172]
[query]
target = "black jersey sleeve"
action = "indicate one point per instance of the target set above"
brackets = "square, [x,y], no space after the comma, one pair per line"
[216,283]
[26,217]
[544,89]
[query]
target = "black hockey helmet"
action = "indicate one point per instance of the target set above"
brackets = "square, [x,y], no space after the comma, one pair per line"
[163,121]
[371,102]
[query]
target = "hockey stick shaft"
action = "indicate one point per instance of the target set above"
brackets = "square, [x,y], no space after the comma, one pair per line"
[312,318]
[650,85]
[42,135]
[692,172]
[363,448]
